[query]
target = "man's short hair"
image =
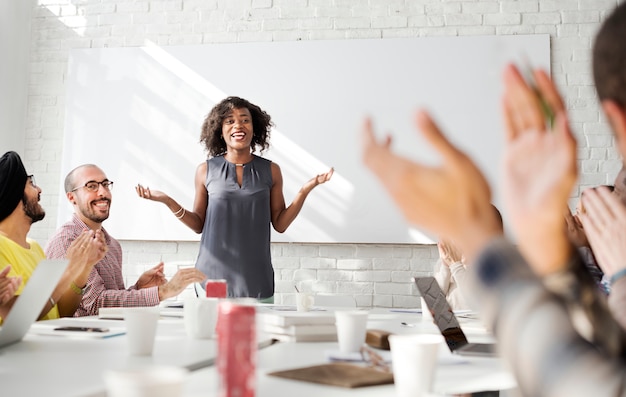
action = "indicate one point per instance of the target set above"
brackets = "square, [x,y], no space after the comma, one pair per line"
[609,58]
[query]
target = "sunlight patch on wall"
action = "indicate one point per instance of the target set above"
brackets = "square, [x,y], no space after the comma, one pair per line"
[67,13]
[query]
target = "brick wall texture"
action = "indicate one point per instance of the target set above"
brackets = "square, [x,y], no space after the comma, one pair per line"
[376,275]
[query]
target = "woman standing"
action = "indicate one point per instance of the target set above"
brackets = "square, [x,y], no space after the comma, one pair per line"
[238,194]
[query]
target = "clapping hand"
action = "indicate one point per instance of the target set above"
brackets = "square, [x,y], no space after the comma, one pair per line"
[87,249]
[539,171]
[605,224]
[449,253]
[152,277]
[451,200]
[8,285]
[575,230]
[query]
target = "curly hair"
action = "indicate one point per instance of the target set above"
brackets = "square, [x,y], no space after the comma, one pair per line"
[211,134]
[609,58]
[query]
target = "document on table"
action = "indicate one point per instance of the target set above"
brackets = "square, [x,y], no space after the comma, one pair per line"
[78,329]
[117,313]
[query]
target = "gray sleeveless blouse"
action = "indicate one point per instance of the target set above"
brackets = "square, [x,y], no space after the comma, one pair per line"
[235,243]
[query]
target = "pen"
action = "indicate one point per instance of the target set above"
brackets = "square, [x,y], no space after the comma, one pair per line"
[547,111]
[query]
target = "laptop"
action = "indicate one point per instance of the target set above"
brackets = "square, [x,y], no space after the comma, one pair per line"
[32,300]
[445,319]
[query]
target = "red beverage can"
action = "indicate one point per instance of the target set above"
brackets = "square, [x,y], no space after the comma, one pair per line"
[216,288]
[236,348]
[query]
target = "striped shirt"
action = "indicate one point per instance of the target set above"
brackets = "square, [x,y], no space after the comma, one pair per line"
[105,285]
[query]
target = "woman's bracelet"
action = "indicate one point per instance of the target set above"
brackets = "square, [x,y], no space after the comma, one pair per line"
[183,214]
[617,275]
[179,211]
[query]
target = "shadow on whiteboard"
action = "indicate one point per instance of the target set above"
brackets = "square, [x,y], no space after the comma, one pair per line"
[137,113]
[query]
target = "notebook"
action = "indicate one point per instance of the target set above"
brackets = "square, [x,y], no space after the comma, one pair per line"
[33,298]
[445,319]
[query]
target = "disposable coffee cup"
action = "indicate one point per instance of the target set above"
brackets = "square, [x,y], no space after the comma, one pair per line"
[351,329]
[141,325]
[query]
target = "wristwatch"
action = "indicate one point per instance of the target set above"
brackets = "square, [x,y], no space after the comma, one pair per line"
[77,290]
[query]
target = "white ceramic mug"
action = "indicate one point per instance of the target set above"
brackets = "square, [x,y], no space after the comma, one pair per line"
[304,301]
[200,316]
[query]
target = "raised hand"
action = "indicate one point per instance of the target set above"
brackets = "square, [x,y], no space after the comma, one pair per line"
[319,179]
[539,171]
[522,104]
[451,200]
[154,195]
[152,277]
[605,224]
[448,252]
[575,230]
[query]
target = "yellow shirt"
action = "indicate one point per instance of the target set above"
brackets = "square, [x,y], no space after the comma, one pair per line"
[23,262]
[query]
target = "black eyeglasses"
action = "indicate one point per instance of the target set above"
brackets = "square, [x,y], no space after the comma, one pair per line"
[93,186]
[32,180]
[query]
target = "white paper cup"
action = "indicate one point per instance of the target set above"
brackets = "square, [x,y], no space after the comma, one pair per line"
[304,301]
[200,315]
[141,325]
[351,329]
[156,381]
[414,360]
[426,314]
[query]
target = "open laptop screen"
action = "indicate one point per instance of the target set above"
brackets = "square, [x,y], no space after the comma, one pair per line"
[442,313]
[29,304]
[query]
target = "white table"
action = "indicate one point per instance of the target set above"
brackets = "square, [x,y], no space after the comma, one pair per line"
[454,375]
[471,375]
[64,367]
[60,366]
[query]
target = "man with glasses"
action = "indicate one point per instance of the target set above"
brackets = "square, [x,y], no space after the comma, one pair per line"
[89,191]
[20,255]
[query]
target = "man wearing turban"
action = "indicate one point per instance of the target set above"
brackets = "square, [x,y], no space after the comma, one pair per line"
[19,209]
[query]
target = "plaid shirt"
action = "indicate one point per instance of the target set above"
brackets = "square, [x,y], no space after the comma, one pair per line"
[105,286]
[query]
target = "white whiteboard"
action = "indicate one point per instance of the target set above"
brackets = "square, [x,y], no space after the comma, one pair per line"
[137,113]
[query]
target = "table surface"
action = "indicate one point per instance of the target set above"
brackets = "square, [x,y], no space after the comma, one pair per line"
[64,366]
[453,375]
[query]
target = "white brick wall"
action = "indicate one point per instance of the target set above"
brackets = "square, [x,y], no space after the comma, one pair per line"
[377,275]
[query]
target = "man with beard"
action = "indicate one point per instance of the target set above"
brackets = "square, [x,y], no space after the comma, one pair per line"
[89,190]
[19,209]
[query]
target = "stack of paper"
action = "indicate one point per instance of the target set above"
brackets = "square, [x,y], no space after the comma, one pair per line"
[292,326]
